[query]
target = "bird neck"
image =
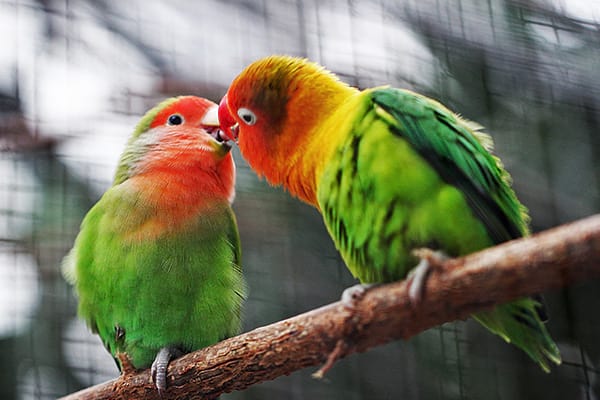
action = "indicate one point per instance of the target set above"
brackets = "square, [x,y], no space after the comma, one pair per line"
[294,152]
[172,197]
[317,144]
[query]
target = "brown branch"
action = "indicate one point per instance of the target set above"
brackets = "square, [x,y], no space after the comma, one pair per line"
[546,261]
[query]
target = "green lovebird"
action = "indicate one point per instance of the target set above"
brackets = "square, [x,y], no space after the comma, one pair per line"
[390,171]
[156,265]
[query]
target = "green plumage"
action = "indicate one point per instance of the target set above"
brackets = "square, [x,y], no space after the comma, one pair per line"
[184,290]
[156,264]
[409,173]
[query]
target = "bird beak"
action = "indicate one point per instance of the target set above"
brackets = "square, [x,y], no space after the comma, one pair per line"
[229,127]
[210,123]
[211,118]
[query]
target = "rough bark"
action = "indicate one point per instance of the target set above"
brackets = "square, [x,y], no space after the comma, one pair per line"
[458,288]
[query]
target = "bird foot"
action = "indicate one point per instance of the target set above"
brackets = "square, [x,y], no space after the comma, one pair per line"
[160,364]
[417,277]
[354,293]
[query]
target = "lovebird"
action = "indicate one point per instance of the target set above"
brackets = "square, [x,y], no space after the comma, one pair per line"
[156,264]
[391,171]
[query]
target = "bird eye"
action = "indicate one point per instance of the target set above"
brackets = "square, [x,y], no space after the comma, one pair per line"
[247,116]
[175,119]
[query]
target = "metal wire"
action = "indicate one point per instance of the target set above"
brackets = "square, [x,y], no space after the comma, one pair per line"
[76,76]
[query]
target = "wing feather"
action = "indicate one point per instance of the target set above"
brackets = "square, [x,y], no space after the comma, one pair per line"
[459,154]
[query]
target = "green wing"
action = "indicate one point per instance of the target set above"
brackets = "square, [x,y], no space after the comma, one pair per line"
[458,154]
[409,173]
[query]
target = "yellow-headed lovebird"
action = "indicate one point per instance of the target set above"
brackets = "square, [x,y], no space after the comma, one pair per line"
[156,265]
[390,171]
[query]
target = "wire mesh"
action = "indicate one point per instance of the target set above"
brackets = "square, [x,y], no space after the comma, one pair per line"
[76,76]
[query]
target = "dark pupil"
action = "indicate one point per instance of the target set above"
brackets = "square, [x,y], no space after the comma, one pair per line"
[247,118]
[175,119]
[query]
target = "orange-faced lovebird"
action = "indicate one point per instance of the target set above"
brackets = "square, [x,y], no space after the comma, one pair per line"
[156,265]
[391,171]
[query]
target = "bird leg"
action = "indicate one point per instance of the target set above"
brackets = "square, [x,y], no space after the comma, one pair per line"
[160,364]
[417,277]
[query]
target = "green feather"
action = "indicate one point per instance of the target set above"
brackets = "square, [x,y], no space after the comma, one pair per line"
[184,289]
[179,284]
[408,174]
[459,157]
[132,151]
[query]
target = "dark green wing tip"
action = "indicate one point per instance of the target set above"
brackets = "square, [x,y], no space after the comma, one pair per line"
[537,343]
[519,323]
[545,356]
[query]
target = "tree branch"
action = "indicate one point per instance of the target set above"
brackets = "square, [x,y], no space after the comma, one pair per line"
[543,262]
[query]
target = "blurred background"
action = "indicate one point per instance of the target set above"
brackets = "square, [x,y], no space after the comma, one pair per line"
[75,77]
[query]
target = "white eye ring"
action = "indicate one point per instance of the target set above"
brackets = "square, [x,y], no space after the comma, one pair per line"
[247,116]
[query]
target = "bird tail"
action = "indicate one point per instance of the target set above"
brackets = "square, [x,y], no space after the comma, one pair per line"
[519,323]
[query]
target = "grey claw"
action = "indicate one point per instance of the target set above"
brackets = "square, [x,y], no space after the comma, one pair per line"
[160,364]
[417,281]
[417,277]
[354,293]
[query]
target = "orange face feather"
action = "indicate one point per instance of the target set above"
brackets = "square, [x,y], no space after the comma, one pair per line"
[181,171]
[277,105]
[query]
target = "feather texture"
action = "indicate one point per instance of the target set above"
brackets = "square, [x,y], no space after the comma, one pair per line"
[157,261]
[391,171]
